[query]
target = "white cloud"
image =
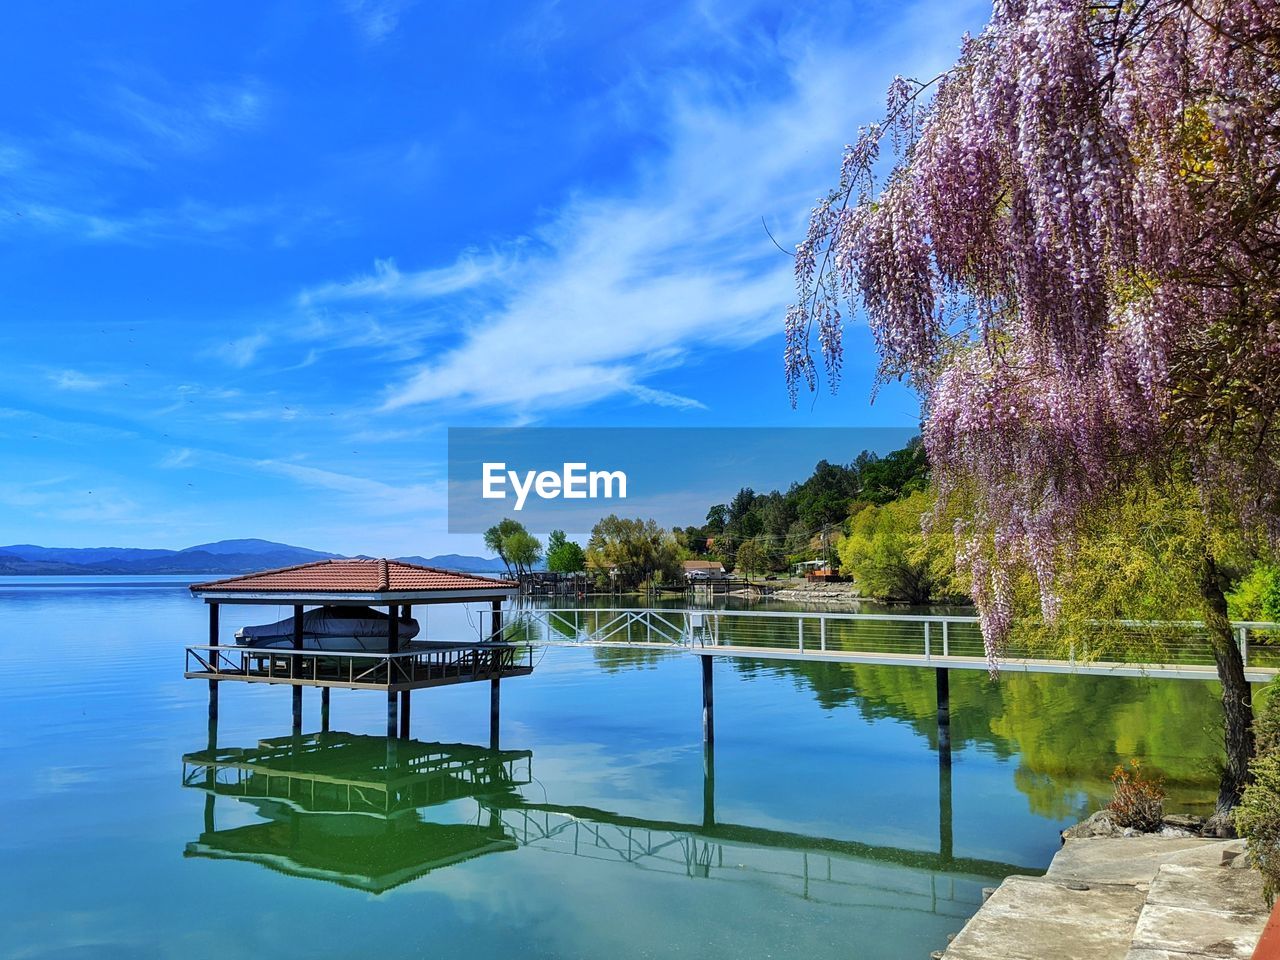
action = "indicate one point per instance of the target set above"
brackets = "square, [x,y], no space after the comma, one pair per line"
[616,287]
[74,380]
[177,459]
[376,19]
[241,351]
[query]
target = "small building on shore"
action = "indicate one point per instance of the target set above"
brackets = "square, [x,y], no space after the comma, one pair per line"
[703,570]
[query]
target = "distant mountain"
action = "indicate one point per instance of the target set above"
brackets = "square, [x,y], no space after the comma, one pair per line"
[460,561]
[81,555]
[220,557]
[254,547]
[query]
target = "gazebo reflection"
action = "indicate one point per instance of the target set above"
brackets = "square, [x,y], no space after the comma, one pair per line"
[364,812]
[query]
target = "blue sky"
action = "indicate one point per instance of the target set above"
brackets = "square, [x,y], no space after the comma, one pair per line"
[257,258]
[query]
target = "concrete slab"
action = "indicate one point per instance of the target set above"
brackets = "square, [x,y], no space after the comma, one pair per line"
[1217,889]
[1197,933]
[1130,859]
[1031,918]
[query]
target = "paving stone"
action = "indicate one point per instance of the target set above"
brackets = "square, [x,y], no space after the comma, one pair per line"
[1209,888]
[1128,859]
[1035,919]
[1206,933]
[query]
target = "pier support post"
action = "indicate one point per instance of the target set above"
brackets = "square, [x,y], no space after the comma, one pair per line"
[297,690]
[708,785]
[945,835]
[324,709]
[495,633]
[495,702]
[404,714]
[391,713]
[943,684]
[708,703]
[213,660]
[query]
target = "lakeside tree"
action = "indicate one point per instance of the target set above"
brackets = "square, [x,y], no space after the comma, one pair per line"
[750,558]
[563,554]
[1075,260]
[516,547]
[627,552]
[889,556]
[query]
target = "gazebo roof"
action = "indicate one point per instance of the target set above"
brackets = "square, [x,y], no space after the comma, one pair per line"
[355,582]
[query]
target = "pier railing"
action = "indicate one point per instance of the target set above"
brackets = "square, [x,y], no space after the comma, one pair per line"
[941,639]
[421,665]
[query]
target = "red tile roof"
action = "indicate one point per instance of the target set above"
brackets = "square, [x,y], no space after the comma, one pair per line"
[353,576]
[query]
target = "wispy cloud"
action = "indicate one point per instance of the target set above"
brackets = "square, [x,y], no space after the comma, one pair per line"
[75,380]
[376,19]
[192,120]
[241,351]
[177,459]
[386,282]
[373,496]
[616,287]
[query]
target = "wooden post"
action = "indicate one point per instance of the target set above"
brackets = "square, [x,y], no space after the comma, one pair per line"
[213,659]
[324,709]
[946,843]
[297,690]
[495,699]
[708,785]
[943,686]
[942,683]
[404,714]
[496,633]
[708,703]
[393,646]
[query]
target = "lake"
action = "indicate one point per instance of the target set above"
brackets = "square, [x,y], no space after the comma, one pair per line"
[829,828]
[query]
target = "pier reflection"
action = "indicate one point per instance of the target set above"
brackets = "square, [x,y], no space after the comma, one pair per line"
[373,813]
[356,810]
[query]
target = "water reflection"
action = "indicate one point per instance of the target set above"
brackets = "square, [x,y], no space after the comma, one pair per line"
[353,809]
[374,813]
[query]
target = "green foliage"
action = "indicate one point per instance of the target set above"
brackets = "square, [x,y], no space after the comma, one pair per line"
[626,552]
[1138,801]
[888,555]
[787,523]
[1266,721]
[1257,818]
[518,549]
[1141,556]
[563,554]
[523,549]
[1257,595]
[750,558]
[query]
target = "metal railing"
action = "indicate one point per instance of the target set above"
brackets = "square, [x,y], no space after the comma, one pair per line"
[927,636]
[420,664]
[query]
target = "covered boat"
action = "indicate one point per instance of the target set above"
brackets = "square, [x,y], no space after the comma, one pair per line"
[331,628]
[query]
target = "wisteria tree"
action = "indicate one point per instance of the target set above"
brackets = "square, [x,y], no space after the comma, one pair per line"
[1071,249]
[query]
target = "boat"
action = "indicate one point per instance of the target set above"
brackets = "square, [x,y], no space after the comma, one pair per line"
[331,628]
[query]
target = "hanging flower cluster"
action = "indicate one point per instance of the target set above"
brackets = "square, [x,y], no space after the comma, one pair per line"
[1075,259]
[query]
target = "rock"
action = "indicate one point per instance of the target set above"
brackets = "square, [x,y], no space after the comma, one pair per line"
[1185,821]
[1178,832]
[1100,824]
[1220,825]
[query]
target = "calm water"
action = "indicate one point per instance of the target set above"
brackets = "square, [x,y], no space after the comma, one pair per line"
[829,828]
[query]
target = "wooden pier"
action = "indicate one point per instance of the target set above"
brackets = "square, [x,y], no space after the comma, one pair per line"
[397,671]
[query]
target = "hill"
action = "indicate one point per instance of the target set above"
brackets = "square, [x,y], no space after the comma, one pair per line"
[220,557]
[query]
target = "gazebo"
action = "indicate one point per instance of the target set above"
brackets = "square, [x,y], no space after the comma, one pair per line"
[397,671]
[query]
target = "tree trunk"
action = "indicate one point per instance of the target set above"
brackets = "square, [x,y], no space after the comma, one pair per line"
[1237,703]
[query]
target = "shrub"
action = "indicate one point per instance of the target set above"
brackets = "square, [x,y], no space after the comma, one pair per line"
[1257,818]
[1266,724]
[1137,802]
